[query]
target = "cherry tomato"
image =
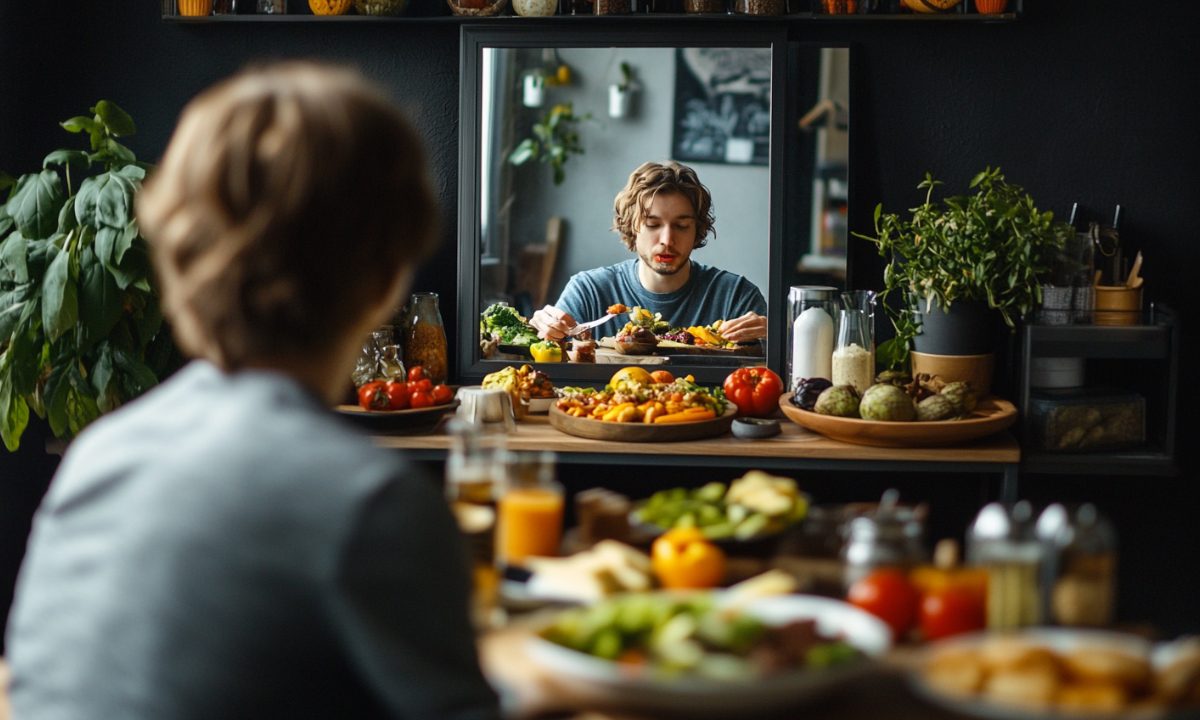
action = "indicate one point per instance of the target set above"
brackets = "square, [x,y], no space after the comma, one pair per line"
[662,376]
[421,398]
[373,396]
[422,385]
[755,391]
[888,595]
[951,610]
[684,558]
[417,372]
[442,394]
[398,395]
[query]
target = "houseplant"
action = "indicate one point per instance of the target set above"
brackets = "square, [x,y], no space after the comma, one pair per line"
[80,326]
[620,94]
[983,252]
[555,139]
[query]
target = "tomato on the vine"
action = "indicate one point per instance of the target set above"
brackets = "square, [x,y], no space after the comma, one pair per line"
[417,372]
[755,391]
[951,610]
[888,595]
[373,396]
[398,395]
[442,394]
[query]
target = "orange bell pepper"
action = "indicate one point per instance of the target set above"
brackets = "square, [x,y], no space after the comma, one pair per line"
[684,558]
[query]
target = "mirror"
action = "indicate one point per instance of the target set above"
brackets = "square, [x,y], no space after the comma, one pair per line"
[708,99]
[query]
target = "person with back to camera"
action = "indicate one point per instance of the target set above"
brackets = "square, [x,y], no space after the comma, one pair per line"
[662,214]
[225,546]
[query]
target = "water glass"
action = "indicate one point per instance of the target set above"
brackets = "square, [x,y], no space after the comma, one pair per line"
[529,509]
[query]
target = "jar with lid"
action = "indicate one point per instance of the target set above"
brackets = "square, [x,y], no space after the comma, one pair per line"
[891,536]
[612,7]
[1003,542]
[1081,574]
[760,7]
[811,309]
[705,6]
[425,336]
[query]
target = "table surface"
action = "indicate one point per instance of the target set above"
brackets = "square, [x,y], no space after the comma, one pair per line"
[794,443]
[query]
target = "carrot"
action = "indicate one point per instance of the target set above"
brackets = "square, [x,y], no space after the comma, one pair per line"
[690,415]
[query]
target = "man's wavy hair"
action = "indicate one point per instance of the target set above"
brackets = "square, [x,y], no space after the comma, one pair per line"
[633,202]
[291,198]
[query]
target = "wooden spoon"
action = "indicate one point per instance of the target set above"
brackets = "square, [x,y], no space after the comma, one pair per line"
[1133,280]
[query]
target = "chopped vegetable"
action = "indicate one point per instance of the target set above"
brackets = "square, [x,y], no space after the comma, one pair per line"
[507,325]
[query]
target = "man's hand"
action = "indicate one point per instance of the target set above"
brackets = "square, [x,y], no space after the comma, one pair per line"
[554,324]
[746,328]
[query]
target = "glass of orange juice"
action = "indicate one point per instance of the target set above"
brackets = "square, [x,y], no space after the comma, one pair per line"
[529,510]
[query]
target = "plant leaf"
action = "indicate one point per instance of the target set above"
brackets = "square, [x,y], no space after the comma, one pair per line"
[14,415]
[114,118]
[79,124]
[55,393]
[67,157]
[35,202]
[102,373]
[138,377]
[12,304]
[100,301]
[106,199]
[60,304]
[66,216]
[12,260]
[25,360]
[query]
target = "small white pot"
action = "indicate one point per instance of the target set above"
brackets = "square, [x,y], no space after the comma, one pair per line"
[619,101]
[534,90]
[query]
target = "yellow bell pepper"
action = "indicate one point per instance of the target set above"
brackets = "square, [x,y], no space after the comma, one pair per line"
[684,558]
[546,352]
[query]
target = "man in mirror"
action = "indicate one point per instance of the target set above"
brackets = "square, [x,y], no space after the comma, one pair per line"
[662,214]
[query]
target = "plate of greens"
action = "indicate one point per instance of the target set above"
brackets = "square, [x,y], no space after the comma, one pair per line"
[509,328]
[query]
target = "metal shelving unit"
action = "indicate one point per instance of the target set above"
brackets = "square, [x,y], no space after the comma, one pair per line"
[1154,341]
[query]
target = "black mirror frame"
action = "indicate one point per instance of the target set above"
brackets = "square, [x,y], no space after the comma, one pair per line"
[594,33]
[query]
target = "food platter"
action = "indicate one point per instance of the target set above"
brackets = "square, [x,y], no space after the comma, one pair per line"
[411,420]
[961,651]
[671,347]
[991,415]
[641,432]
[593,677]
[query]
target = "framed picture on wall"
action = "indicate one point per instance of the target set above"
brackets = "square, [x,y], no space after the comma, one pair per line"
[722,105]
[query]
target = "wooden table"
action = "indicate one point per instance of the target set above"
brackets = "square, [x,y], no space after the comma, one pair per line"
[793,449]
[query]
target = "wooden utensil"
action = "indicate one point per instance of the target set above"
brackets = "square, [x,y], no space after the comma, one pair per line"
[1133,280]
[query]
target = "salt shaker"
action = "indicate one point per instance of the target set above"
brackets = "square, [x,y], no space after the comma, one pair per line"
[1081,572]
[1004,543]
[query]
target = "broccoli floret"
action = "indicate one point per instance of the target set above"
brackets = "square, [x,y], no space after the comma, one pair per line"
[507,325]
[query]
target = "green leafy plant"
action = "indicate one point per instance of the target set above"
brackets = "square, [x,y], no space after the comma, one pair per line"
[80,326]
[992,245]
[627,78]
[555,139]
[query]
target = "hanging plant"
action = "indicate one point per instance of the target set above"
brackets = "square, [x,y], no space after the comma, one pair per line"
[81,331]
[555,139]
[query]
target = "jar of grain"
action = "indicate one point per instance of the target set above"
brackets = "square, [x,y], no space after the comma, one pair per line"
[425,336]
[705,6]
[760,7]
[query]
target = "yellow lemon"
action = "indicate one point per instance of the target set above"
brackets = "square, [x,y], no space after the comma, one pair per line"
[632,374]
[563,75]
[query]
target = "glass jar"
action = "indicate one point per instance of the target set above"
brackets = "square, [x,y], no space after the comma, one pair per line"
[1004,543]
[811,310]
[529,509]
[853,362]
[760,7]
[657,6]
[425,336]
[575,7]
[891,536]
[1081,575]
[272,7]
[381,358]
[705,6]
[612,7]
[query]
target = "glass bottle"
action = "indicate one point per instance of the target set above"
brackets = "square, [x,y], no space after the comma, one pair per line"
[425,336]
[810,332]
[853,362]
[1081,575]
[272,7]
[612,7]
[892,536]
[760,7]
[705,6]
[1003,542]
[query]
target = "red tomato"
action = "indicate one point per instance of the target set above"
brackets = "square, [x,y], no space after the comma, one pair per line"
[662,376]
[951,610]
[755,390]
[398,395]
[373,396]
[423,385]
[442,394]
[421,398]
[416,372]
[888,595]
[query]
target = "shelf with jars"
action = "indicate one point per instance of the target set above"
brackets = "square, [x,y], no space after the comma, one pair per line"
[798,11]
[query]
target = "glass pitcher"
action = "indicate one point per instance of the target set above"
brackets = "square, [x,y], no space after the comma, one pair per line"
[425,336]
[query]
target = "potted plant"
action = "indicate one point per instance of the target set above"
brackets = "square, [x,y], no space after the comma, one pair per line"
[620,94]
[555,139]
[80,326]
[960,262]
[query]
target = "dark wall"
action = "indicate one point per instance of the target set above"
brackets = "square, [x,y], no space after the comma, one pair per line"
[1081,100]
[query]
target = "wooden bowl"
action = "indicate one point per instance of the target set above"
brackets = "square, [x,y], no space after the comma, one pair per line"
[489,7]
[632,347]
[640,432]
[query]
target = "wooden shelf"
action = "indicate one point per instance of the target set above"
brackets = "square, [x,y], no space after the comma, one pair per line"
[1122,462]
[794,18]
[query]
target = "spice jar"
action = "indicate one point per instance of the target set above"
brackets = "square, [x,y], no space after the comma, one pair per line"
[612,7]
[891,536]
[704,6]
[760,7]
[1081,575]
[1003,542]
[425,336]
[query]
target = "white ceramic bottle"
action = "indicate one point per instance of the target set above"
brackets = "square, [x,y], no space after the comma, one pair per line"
[812,345]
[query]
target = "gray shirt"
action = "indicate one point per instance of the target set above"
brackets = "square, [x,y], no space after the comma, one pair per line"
[710,294]
[225,547]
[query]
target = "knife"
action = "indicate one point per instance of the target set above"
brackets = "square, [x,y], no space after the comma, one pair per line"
[581,327]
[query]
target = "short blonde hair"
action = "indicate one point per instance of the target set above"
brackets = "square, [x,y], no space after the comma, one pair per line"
[291,198]
[647,181]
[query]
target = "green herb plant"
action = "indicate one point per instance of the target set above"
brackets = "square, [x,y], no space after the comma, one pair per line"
[555,139]
[81,331]
[992,245]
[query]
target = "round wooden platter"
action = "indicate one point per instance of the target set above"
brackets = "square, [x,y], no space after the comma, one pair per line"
[641,432]
[412,420]
[991,415]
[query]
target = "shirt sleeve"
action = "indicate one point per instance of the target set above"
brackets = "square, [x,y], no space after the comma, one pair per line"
[401,607]
[578,298]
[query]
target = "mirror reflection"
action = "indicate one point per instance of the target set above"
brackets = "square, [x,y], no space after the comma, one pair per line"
[568,229]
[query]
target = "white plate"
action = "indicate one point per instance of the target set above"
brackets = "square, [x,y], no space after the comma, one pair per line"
[699,698]
[541,405]
[1060,640]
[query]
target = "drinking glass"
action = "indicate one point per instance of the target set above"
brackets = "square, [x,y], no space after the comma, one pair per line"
[529,508]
